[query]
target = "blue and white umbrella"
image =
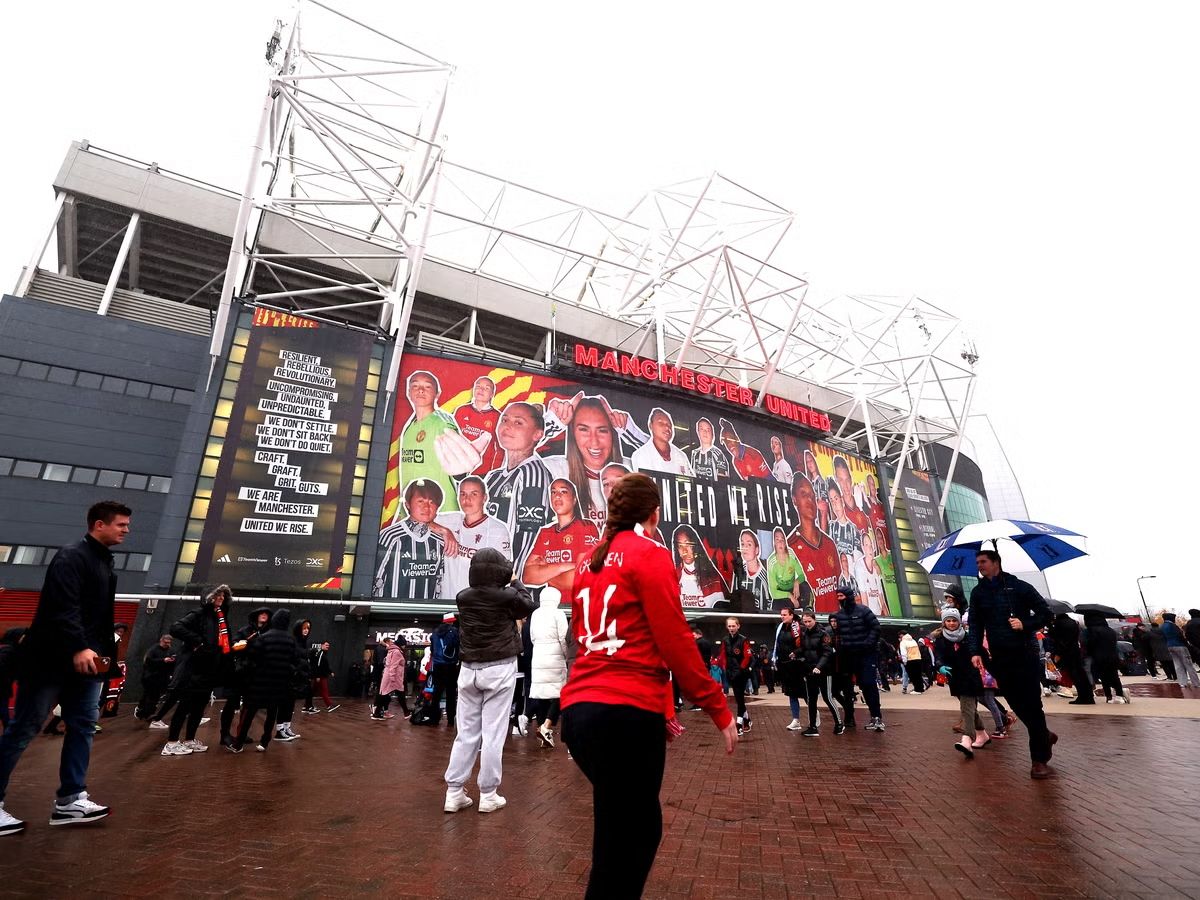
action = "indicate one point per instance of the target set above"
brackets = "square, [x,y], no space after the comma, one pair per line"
[1023,547]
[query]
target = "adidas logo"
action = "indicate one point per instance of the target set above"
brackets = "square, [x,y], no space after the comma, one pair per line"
[811,567]
[224,558]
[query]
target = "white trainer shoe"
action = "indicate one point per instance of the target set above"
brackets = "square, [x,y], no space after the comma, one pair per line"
[77,811]
[523,724]
[491,802]
[794,725]
[158,723]
[9,824]
[195,746]
[456,800]
[545,735]
[175,748]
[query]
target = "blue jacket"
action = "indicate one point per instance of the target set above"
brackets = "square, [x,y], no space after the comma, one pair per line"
[1173,635]
[993,602]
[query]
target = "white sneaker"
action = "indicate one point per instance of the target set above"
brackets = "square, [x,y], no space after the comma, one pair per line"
[204,720]
[195,746]
[335,706]
[456,800]
[9,824]
[794,725]
[1126,698]
[158,723]
[175,748]
[79,810]
[1113,700]
[491,802]
[523,727]
[545,735]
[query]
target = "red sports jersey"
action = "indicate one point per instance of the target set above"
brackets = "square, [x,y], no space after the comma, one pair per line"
[821,568]
[858,517]
[749,463]
[632,634]
[472,423]
[879,519]
[564,545]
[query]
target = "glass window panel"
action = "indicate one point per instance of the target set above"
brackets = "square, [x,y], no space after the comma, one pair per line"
[5,553]
[234,371]
[113,385]
[364,433]
[199,509]
[31,369]
[347,565]
[360,470]
[237,354]
[188,551]
[8,365]
[160,484]
[56,472]
[213,447]
[136,482]
[138,562]
[364,450]
[376,366]
[29,556]
[183,576]
[224,409]
[360,485]
[119,560]
[352,524]
[26,468]
[110,478]
[161,392]
[6,464]
[220,428]
[137,389]
[59,375]
[242,336]
[209,466]
[84,475]
[194,530]
[228,390]
[88,380]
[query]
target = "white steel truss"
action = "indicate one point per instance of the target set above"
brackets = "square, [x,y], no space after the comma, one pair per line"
[354,167]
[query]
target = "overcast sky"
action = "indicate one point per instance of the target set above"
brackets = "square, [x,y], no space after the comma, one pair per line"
[1031,167]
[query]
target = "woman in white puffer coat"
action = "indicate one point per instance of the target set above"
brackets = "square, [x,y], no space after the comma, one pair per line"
[551,638]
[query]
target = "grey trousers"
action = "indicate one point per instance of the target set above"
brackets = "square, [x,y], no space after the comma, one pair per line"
[970,714]
[485,692]
[1185,672]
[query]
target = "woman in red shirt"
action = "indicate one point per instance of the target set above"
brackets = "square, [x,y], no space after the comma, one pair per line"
[631,636]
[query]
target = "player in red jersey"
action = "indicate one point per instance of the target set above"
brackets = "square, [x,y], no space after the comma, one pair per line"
[632,636]
[747,461]
[815,549]
[558,548]
[841,474]
[477,422]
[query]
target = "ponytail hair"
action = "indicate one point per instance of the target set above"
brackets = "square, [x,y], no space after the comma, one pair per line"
[634,499]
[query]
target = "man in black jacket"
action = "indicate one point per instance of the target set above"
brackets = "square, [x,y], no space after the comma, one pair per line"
[274,661]
[66,650]
[235,670]
[489,611]
[1008,612]
[857,643]
[157,666]
[1065,635]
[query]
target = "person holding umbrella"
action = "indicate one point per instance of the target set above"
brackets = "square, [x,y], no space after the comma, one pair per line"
[1007,613]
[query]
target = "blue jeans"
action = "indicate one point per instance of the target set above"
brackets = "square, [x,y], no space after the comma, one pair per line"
[36,696]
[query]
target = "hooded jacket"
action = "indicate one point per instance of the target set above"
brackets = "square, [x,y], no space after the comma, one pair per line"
[815,650]
[1192,629]
[1172,632]
[199,664]
[393,671]
[489,609]
[302,648]
[1099,640]
[1065,635]
[964,679]
[1158,644]
[274,659]
[251,628]
[550,635]
[857,627]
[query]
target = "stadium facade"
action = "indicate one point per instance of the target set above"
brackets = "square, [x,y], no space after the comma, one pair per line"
[400,360]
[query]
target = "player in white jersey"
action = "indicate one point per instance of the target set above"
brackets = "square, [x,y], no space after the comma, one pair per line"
[659,454]
[410,565]
[518,493]
[781,469]
[467,532]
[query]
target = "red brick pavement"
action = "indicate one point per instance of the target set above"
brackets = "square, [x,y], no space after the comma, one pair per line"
[354,807]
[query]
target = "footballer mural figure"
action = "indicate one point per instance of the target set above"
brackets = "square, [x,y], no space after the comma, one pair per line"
[708,460]
[477,423]
[700,584]
[431,447]
[466,532]
[659,454]
[560,546]
[411,552]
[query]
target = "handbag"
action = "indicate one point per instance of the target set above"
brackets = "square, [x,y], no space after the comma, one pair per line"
[989,680]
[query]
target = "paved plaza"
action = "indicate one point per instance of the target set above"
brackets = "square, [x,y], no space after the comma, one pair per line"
[354,808]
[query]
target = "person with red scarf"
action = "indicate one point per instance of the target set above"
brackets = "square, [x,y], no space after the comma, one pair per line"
[204,633]
[631,637]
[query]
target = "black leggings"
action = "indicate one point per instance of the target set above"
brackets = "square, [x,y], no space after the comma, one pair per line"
[1110,677]
[191,709]
[249,710]
[382,701]
[544,709]
[737,680]
[818,686]
[622,750]
[233,700]
[916,675]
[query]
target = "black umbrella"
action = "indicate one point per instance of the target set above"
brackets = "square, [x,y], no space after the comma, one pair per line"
[1107,611]
[1060,606]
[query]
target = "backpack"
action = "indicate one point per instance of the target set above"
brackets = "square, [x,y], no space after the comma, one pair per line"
[445,646]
